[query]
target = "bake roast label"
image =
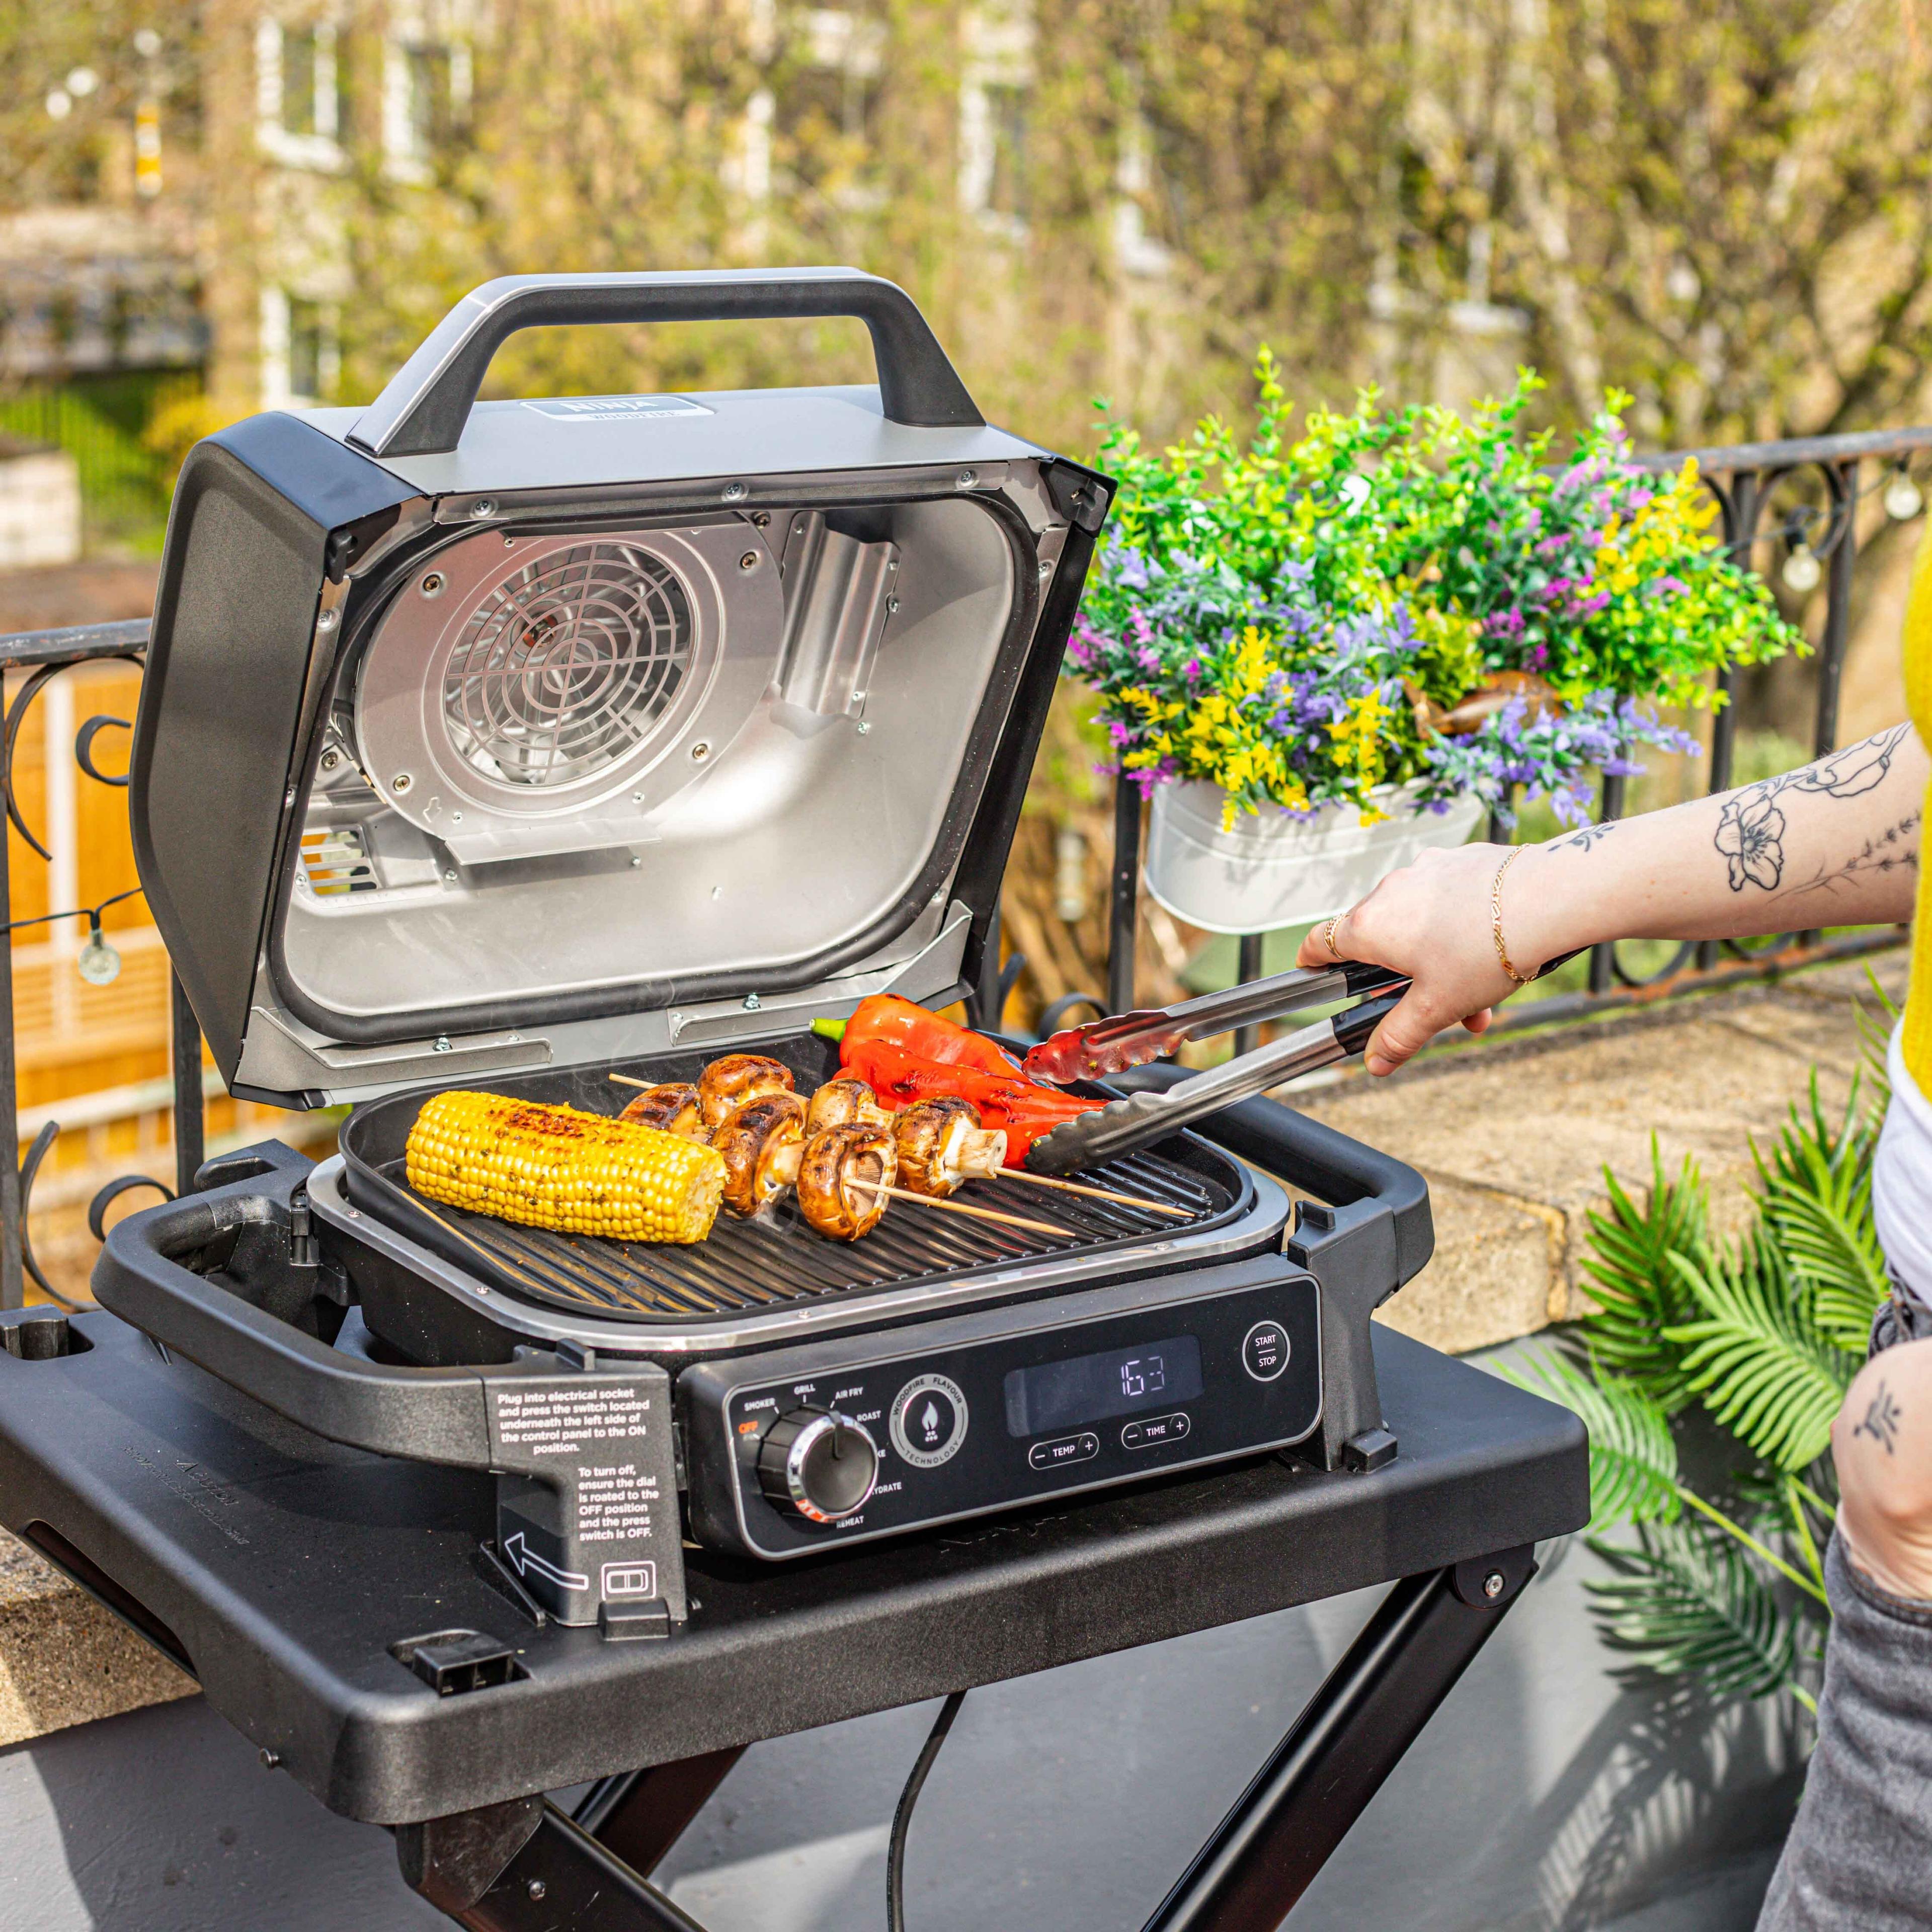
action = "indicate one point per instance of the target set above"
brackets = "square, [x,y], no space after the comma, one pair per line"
[587,1495]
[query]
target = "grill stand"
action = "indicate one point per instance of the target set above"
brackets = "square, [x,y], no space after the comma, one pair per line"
[261,1576]
[555,1873]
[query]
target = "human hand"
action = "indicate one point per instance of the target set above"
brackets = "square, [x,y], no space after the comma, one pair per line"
[1432,921]
[1879,1445]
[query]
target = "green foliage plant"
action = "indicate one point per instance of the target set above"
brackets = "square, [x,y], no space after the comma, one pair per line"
[1724,1583]
[1409,596]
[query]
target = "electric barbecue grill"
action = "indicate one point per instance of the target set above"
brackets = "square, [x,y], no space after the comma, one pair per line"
[513,744]
[516,744]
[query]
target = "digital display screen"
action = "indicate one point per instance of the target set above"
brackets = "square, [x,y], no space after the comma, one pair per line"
[1090,1388]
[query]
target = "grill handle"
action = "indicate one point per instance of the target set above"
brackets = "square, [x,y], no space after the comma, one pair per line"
[425,404]
[143,1275]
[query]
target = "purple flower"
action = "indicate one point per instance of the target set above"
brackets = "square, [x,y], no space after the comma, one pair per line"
[1191,670]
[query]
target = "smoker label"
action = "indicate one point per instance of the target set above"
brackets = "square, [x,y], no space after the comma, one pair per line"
[586,1499]
[617,409]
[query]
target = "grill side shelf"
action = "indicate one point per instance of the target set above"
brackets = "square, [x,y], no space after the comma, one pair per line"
[144,1275]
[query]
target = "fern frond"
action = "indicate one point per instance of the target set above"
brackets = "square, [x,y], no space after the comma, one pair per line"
[1875,1039]
[1633,1460]
[1640,1296]
[1754,1358]
[1689,1602]
[1815,1193]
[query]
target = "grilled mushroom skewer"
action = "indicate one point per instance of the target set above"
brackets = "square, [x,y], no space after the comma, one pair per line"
[762,1142]
[673,1106]
[941,1144]
[738,1077]
[844,1175]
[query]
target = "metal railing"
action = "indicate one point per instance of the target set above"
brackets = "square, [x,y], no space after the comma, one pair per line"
[43,656]
[1794,505]
[1777,498]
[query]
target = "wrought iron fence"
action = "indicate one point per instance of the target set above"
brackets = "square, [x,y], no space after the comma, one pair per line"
[1794,503]
[43,656]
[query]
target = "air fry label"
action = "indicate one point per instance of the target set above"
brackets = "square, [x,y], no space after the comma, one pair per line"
[587,1495]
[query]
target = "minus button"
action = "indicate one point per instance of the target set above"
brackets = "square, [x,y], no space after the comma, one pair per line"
[1080,1448]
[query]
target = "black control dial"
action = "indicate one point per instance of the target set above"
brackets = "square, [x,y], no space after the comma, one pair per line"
[818,1464]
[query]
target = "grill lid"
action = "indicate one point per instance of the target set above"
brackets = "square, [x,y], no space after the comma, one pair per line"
[475,738]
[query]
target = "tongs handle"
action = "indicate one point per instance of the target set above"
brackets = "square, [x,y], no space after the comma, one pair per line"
[1124,1127]
[1254,1000]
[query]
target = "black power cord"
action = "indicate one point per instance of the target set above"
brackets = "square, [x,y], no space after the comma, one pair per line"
[902,1817]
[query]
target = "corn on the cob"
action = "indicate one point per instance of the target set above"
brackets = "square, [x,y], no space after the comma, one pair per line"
[555,1168]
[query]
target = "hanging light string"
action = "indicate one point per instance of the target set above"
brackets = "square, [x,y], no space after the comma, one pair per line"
[1902,499]
[91,913]
[97,962]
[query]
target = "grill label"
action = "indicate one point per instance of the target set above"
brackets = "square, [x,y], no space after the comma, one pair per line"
[586,1494]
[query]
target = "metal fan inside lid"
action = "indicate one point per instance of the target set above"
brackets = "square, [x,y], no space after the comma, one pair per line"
[532,695]
[569,664]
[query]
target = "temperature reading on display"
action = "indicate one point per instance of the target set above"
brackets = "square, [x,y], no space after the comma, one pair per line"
[1091,1388]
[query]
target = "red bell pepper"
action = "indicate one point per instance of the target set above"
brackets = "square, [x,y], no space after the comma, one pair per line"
[897,1022]
[900,1075]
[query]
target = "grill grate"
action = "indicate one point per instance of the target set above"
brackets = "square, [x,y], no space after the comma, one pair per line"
[776,1259]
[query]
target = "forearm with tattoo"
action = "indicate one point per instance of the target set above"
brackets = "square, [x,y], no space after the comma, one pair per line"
[1752,825]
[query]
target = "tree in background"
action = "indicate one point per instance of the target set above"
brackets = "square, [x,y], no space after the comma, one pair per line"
[1725,210]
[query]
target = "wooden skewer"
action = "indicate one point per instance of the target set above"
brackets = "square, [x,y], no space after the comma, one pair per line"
[958,1208]
[1098,1193]
[1015,1174]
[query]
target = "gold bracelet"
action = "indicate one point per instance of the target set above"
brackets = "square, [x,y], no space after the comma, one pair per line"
[1496,916]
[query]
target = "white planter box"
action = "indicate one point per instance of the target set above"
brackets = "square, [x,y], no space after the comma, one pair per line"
[1272,869]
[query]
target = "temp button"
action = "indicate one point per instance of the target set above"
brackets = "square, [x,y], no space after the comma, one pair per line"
[1265,1353]
[1160,1429]
[1080,1448]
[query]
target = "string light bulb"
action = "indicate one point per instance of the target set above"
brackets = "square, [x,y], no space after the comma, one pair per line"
[1802,570]
[98,963]
[1903,498]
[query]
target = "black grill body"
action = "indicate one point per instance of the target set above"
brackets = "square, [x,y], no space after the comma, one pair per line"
[574,736]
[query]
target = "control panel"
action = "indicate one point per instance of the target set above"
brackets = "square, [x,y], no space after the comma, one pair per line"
[802,1449]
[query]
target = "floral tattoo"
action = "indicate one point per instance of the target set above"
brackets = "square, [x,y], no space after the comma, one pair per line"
[1587,839]
[1881,1420]
[1751,828]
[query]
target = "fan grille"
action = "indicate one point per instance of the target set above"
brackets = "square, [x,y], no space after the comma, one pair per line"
[566,666]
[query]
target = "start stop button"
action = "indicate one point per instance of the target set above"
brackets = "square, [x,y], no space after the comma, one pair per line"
[1264,1352]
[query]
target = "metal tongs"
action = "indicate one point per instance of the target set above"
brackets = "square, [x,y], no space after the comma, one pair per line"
[1122,1040]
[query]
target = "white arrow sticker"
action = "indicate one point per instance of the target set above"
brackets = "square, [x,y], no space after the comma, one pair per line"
[526,1559]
